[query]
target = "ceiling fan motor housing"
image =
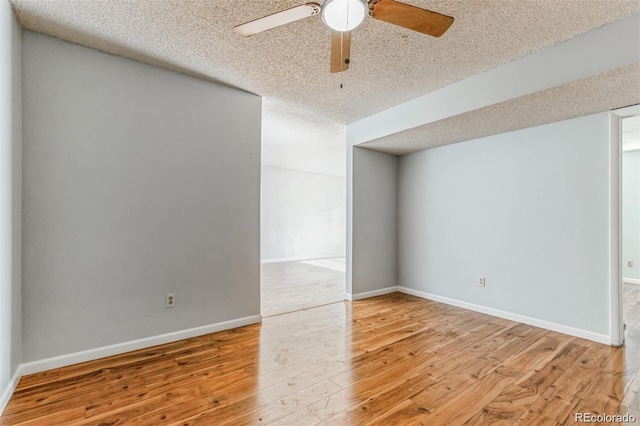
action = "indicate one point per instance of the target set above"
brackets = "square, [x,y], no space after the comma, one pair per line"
[344,15]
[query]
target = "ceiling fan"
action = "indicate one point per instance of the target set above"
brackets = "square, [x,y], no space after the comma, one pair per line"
[342,16]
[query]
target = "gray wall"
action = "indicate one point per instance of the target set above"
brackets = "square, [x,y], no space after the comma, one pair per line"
[10,206]
[137,182]
[527,210]
[631,214]
[374,264]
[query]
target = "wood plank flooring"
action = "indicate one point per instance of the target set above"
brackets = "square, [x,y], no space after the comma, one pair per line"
[389,360]
[631,306]
[292,286]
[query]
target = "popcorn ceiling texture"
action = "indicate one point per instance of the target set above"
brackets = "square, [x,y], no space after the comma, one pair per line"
[290,64]
[597,93]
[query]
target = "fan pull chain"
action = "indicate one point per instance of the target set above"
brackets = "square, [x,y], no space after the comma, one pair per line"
[341,48]
[343,60]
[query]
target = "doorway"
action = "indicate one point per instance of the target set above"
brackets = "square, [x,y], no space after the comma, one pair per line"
[302,210]
[630,227]
[302,240]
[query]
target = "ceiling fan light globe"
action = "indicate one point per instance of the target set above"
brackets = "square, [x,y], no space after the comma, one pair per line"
[344,15]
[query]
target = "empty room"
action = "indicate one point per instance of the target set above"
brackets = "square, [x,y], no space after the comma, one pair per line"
[349,212]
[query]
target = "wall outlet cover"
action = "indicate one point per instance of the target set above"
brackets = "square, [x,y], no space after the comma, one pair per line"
[171,300]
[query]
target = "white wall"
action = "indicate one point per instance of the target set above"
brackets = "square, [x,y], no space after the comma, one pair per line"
[631,215]
[10,206]
[527,210]
[303,185]
[302,215]
[137,182]
[374,214]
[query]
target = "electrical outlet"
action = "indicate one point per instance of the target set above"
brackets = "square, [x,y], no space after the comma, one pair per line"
[171,300]
[481,282]
[629,263]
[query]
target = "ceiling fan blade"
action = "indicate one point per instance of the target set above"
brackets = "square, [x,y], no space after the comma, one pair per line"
[277,19]
[340,50]
[411,17]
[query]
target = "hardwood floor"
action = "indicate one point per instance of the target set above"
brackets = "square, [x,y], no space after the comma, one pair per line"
[292,286]
[631,306]
[389,360]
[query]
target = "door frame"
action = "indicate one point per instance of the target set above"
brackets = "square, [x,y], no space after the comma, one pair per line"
[616,321]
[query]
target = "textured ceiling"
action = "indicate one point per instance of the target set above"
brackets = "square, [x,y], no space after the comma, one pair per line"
[389,65]
[601,92]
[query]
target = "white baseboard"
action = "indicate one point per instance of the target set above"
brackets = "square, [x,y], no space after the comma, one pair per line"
[11,386]
[631,280]
[372,293]
[300,259]
[91,354]
[547,325]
